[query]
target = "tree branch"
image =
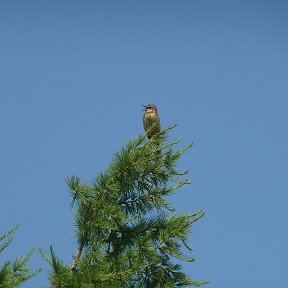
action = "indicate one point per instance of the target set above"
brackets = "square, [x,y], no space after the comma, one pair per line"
[76,258]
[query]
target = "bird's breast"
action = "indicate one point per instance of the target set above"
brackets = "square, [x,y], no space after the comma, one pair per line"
[151,119]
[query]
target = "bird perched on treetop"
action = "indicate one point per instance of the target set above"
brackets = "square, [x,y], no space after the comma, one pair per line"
[151,120]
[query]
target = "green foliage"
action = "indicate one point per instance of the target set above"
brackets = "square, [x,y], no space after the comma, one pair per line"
[126,230]
[12,274]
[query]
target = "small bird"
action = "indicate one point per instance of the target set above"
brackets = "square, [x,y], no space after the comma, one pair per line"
[151,120]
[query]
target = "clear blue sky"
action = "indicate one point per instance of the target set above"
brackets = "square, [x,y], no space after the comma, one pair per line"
[74,75]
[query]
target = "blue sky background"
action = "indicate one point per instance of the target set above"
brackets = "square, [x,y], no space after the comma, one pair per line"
[74,75]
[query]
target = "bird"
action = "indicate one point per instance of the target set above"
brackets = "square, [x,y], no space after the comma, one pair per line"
[151,120]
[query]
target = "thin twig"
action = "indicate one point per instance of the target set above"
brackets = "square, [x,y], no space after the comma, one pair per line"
[76,258]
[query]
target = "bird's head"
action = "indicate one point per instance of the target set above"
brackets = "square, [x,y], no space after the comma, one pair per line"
[150,108]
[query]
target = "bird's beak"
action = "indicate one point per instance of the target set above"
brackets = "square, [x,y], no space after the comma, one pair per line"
[144,108]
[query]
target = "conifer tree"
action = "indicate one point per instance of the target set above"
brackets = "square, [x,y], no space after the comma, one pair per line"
[14,273]
[128,234]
